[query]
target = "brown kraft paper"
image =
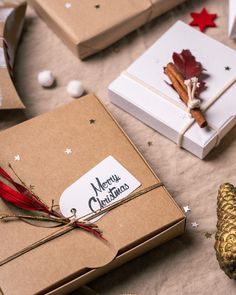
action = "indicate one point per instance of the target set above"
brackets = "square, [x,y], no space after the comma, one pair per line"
[88,26]
[41,143]
[11,25]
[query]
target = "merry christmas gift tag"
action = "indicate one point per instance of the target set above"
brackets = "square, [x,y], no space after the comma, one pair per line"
[106,183]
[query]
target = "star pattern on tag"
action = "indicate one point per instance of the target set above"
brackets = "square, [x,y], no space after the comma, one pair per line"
[203,19]
[17,158]
[194,224]
[186,209]
[227,68]
[68,151]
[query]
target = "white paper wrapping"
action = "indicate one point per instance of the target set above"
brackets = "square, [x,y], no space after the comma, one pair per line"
[143,101]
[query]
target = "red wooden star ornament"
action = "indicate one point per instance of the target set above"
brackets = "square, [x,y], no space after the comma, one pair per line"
[203,19]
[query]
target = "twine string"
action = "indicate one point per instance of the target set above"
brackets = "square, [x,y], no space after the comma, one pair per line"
[70,226]
[193,102]
[204,108]
[182,107]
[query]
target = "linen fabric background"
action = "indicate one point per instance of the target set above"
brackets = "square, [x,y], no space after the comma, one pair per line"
[186,265]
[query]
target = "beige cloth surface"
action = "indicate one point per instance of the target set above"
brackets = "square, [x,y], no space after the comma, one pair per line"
[186,265]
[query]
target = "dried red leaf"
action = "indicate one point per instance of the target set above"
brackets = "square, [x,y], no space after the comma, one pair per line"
[22,198]
[25,199]
[187,65]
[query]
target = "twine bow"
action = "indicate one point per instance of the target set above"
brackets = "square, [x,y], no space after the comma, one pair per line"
[193,103]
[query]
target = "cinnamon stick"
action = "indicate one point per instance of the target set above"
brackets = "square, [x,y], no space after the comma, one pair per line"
[179,77]
[177,81]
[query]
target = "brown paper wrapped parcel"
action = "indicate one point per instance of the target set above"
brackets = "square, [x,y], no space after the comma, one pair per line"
[69,261]
[11,25]
[88,26]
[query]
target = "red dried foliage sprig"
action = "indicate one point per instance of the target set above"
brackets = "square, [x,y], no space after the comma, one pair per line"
[25,199]
[182,71]
[188,67]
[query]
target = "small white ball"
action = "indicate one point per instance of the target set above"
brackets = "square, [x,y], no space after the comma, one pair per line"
[46,78]
[75,88]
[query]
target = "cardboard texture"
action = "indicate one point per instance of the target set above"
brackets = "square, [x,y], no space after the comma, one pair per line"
[75,258]
[88,26]
[142,90]
[11,25]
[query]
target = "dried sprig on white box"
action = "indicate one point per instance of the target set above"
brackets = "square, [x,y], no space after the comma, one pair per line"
[142,90]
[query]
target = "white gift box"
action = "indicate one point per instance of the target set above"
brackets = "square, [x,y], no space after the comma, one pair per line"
[232,19]
[142,90]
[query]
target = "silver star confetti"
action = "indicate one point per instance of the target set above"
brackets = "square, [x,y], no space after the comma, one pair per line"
[186,209]
[17,158]
[194,224]
[67,5]
[68,151]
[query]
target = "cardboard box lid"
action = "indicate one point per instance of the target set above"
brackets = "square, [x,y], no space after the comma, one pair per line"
[41,143]
[11,25]
[87,26]
[82,20]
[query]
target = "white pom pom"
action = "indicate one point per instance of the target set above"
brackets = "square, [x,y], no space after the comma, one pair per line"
[75,88]
[45,78]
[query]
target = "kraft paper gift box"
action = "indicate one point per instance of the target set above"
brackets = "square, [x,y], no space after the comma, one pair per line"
[142,90]
[232,19]
[88,26]
[11,25]
[51,153]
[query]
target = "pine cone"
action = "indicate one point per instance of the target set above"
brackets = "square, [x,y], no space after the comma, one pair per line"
[225,244]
